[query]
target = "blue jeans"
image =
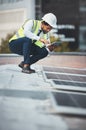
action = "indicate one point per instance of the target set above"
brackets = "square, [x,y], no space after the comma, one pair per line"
[31,52]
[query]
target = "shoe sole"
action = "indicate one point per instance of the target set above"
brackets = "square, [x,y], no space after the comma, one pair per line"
[20,66]
[27,72]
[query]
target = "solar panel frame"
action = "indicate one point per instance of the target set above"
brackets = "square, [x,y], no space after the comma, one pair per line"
[68,110]
[62,82]
[81,78]
[68,87]
[65,87]
[65,69]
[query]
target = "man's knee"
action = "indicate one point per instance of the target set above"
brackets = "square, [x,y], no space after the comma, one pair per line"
[27,40]
[44,52]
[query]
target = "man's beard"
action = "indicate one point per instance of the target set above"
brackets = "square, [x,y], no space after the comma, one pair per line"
[44,32]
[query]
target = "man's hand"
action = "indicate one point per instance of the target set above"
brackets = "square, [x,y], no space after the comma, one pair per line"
[51,47]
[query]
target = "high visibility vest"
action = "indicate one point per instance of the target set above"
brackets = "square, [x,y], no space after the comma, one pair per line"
[35,29]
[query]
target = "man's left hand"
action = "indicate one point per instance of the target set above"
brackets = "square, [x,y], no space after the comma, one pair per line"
[51,47]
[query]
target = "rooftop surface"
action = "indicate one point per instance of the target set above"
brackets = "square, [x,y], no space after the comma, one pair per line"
[53,98]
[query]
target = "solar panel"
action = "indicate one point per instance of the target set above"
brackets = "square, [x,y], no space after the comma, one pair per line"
[69,102]
[65,70]
[58,82]
[66,79]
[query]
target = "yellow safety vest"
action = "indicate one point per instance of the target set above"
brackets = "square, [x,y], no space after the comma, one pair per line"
[35,29]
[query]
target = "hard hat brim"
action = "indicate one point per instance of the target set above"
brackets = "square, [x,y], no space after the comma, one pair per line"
[53,26]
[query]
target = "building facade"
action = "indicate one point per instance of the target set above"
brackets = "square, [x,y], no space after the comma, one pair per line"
[13,13]
[82,27]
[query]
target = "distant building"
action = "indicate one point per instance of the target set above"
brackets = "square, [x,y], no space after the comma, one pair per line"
[13,13]
[71,15]
[82,27]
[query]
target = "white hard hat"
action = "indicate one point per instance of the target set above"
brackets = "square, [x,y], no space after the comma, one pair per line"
[51,19]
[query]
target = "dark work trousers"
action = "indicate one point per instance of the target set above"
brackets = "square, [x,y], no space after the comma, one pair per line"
[31,52]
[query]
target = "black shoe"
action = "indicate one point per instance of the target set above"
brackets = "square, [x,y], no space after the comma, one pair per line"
[21,65]
[27,70]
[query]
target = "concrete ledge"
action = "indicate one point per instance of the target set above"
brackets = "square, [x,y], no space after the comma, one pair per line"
[64,59]
[51,53]
[9,55]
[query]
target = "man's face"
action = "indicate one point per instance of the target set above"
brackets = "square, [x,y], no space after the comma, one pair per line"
[46,28]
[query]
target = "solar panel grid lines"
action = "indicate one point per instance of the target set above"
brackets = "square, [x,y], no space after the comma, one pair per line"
[68,87]
[65,70]
[72,96]
[66,79]
[65,102]
[65,73]
[73,81]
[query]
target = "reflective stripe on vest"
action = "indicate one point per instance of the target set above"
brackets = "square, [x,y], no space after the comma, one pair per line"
[35,29]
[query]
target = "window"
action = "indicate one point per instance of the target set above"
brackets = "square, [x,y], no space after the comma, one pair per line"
[38,9]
